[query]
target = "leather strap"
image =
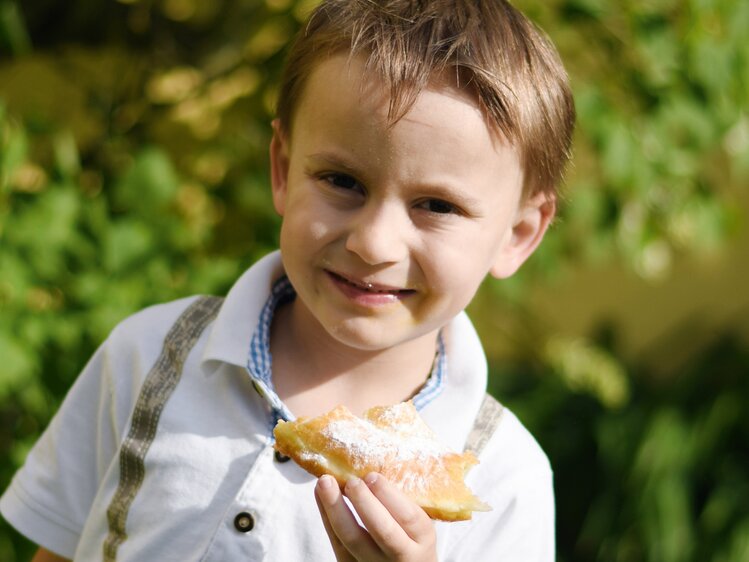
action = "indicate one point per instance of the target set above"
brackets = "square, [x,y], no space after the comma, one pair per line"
[158,386]
[488,418]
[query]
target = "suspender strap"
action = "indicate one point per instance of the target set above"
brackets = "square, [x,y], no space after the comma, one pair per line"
[487,420]
[160,382]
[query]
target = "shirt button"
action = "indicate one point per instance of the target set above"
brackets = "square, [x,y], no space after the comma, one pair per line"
[280,457]
[244,522]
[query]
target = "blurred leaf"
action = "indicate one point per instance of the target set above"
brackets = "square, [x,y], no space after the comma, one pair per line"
[587,368]
[14,148]
[66,155]
[16,364]
[150,183]
[126,244]
[13,34]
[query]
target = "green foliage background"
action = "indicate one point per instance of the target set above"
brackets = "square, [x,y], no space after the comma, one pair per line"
[133,141]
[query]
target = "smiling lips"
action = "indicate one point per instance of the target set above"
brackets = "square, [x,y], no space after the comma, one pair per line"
[368,294]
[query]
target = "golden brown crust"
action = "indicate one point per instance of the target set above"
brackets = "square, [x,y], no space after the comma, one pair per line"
[393,441]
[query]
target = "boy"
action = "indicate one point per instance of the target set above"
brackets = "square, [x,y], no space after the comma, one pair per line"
[417,148]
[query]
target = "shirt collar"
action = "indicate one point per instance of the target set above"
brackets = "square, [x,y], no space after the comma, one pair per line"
[232,331]
[259,359]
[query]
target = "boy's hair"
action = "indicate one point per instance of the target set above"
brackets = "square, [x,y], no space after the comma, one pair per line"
[488,45]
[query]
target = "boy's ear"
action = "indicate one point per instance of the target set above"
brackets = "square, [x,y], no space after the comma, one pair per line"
[279,166]
[531,222]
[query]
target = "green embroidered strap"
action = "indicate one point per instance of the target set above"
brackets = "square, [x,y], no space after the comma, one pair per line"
[487,420]
[160,382]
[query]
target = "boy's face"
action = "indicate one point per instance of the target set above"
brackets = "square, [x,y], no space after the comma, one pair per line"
[388,231]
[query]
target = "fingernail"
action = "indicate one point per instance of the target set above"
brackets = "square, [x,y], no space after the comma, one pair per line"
[326,482]
[371,478]
[353,482]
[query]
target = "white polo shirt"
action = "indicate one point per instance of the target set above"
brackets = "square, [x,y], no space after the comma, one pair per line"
[210,487]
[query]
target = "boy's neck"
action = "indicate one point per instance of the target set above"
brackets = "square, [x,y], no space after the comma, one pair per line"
[313,372]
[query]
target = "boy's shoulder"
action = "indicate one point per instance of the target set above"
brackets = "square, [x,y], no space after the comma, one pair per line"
[515,478]
[150,324]
[512,438]
[512,461]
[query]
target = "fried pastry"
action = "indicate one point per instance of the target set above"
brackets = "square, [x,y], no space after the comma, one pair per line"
[393,441]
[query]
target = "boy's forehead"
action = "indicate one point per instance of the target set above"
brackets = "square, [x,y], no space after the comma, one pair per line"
[345,79]
[338,81]
[345,74]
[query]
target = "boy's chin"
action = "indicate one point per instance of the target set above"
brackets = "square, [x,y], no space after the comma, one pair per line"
[366,336]
[362,339]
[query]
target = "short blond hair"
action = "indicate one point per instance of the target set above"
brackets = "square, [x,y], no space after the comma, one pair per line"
[492,49]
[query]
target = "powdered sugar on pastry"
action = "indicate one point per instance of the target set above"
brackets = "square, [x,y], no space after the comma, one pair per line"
[369,442]
[393,441]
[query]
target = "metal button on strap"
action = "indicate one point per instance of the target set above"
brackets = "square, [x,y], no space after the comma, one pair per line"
[280,457]
[244,522]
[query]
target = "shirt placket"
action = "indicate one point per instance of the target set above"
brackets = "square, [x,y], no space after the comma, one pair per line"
[250,520]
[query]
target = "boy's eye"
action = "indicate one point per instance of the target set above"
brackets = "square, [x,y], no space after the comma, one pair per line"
[439,207]
[343,181]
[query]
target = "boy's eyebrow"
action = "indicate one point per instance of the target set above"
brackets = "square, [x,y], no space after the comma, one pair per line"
[333,160]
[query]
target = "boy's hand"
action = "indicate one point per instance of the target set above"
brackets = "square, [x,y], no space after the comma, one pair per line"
[396,528]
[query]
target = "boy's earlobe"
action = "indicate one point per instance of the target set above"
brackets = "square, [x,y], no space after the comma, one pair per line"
[532,221]
[279,167]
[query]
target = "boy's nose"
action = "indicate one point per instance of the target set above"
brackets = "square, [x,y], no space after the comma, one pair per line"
[379,235]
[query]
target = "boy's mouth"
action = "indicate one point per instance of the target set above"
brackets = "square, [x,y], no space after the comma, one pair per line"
[373,288]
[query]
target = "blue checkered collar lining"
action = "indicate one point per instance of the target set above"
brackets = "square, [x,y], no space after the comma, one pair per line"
[259,359]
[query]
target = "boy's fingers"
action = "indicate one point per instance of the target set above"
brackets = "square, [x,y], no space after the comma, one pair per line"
[409,516]
[383,526]
[346,536]
[341,554]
